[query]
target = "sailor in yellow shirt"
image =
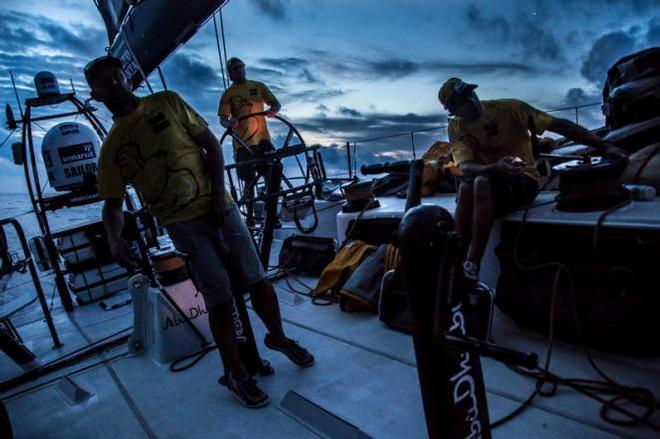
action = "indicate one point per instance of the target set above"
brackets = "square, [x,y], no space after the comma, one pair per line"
[491,145]
[166,150]
[244,97]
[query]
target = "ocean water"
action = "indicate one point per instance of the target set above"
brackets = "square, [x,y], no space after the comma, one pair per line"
[18,206]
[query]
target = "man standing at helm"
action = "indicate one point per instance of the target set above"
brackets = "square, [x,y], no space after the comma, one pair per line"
[242,98]
[490,142]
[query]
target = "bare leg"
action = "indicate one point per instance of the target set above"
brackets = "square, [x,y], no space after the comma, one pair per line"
[463,214]
[265,304]
[482,220]
[221,322]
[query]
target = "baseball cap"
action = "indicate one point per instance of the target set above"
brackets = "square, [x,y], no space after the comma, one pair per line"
[102,62]
[233,60]
[452,89]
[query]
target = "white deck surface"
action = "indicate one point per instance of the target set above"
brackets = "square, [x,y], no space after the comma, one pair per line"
[364,373]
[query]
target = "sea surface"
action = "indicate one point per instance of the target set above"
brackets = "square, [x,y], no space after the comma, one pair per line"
[16,288]
[18,206]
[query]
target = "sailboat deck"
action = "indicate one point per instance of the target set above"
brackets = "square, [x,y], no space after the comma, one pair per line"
[364,373]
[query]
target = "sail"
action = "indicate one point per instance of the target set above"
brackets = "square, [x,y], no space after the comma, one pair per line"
[113,13]
[146,34]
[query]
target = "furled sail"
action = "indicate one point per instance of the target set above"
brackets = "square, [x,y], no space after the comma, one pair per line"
[113,13]
[145,34]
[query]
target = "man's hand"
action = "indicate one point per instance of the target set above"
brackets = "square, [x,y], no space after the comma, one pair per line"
[614,152]
[121,251]
[228,122]
[220,206]
[509,165]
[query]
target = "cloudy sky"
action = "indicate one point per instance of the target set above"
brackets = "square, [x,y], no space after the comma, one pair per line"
[352,70]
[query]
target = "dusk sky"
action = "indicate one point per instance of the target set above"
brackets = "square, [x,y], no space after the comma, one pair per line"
[351,70]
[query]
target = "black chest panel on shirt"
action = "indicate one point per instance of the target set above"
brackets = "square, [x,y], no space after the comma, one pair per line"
[158,122]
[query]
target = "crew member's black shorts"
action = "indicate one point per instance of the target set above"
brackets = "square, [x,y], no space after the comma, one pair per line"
[249,171]
[511,191]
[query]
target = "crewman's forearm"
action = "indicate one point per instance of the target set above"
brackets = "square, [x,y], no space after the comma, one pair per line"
[471,169]
[113,220]
[215,161]
[576,133]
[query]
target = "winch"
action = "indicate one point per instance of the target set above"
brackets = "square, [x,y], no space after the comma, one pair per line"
[591,183]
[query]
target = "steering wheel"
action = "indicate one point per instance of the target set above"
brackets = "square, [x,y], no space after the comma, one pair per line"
[292,131]
[292,141]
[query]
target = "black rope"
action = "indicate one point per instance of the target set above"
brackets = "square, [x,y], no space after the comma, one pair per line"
[636,396]
[196,358]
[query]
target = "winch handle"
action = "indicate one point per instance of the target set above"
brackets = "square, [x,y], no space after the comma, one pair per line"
[486,349]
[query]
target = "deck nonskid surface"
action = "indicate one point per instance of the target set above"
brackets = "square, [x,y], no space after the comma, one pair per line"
[365,373]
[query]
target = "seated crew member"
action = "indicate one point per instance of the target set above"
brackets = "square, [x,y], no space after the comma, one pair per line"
[491,145]
[245,97]
[162,147]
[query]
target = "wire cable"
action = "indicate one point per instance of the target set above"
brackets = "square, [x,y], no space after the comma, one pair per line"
[7,138]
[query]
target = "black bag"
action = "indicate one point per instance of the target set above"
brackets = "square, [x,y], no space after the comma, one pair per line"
[307,254]
[393,306]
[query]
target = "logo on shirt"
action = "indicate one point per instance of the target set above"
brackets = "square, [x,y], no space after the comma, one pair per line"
[158,122]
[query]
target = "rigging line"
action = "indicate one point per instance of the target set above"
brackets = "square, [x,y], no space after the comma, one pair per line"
[222,31]
[104,120]
[7,138]
[217,43]
[162,77]
[42,128]
[18,101]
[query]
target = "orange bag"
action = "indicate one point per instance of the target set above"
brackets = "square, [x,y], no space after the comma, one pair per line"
[342,266]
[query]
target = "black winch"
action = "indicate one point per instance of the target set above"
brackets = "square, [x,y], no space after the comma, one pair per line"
[591,183]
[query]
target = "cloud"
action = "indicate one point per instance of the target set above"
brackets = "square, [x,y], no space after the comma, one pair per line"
[392,68]
[309,77]
[482,67]
[401,68]
[529,36]
[283,70]
[313,95]
[275,9]
[605,51]
[349,126]
[198,82]
[578,96]
[498,27]
[322,110]
[186,71]
[349,112]
[31,43]
[23,31]
[653,33]
[284,63]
